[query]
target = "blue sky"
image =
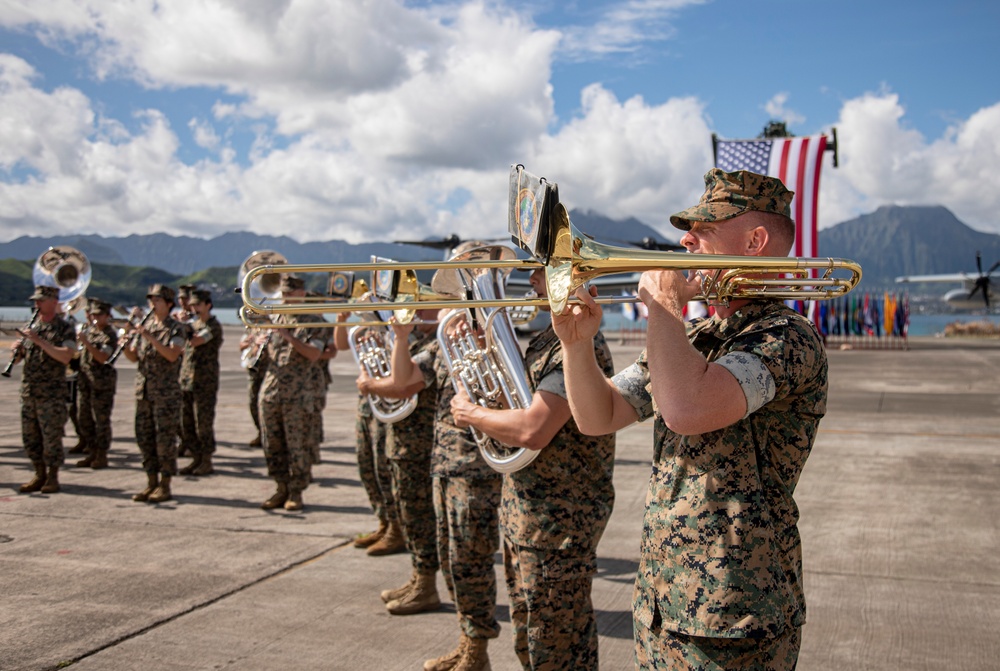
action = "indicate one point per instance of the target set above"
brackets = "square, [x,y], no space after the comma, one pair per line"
[324,119]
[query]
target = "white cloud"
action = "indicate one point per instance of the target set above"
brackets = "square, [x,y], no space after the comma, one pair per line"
[883,161]
[405,128]
[778,109]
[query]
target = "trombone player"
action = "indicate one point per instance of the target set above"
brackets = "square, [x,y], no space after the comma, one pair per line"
[736,401]
[46,349]
[287,397]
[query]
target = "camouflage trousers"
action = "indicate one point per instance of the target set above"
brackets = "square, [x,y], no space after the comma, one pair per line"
[198,420]
[656,648]
[550,607]
[155,430]
[468,539]
[72,408]
[373,468]
[412,490]
[315,424]
[42,426]
[253,393]
[94,406]
[286,434]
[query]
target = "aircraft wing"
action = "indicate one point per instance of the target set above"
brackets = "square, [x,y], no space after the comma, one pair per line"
[964,278]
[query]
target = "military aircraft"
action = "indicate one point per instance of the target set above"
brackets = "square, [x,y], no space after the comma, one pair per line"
[972,284]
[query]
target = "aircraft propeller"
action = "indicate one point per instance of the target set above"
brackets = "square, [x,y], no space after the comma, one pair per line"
[983,281]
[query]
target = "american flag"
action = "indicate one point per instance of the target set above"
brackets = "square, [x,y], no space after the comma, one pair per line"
[796,161]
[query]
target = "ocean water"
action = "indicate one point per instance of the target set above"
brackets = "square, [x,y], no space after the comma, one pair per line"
[920,324]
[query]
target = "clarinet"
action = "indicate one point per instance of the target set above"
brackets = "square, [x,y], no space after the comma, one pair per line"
[128,341]
[19,346]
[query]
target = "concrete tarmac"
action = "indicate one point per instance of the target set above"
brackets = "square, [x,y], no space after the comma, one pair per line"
[900,520]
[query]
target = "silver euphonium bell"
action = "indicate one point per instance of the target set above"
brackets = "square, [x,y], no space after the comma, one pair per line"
[490,371]
[372,349]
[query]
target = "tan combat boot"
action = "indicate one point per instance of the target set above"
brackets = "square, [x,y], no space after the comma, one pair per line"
[369,539]
[87,461]
[448,662]
[51,485]
[205,467]
[475,657]
[256,442]
[79,448]
[398,593]
[162,492]
[420,599]
[152,482]
[100,459]
[277,499]
[35,483]
[190,468]
[294,501]
[392,542]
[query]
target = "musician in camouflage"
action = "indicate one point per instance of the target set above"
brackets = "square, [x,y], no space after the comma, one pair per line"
[553,511]
[46,349]
[409,442]
[200,384]
[96,383]
[157,346]
[736,401]
[373,467]
[257,339]
[287,401]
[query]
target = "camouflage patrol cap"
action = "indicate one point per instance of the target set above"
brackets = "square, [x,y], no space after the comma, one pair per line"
[96,306]
[730,194]
[184,290]
[161,290]
[44,293]
[292,283]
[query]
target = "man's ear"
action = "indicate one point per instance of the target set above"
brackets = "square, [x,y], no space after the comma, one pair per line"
[757,241]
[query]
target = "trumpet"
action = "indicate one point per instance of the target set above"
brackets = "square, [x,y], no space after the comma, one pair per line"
[540,225]
[18,350]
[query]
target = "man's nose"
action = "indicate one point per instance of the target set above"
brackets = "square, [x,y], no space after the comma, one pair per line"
[688,240]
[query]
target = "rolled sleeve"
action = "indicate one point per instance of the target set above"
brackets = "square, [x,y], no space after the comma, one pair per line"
[754,378]
[633,384]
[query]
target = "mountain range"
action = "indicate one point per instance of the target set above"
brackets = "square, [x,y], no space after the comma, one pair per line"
[892,241]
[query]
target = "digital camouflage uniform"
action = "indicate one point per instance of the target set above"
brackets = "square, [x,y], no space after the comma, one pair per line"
[466,498]
[408,446]
[158,398]
[96,384]
[287,399]
[200,387]
[323,379]
[43,394]
[373,464]
[553,514]
[720,572]
[257,372]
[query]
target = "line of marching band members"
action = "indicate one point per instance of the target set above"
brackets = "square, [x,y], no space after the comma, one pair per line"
[736,400]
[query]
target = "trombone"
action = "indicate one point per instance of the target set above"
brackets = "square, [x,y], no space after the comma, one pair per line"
[540,225]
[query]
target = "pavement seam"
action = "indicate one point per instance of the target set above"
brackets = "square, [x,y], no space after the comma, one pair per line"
[139,632]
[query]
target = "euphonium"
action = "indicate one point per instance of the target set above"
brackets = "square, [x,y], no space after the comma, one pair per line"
[372,349]
[492,374]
